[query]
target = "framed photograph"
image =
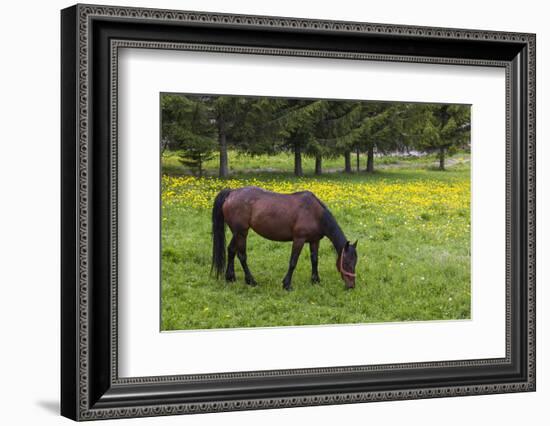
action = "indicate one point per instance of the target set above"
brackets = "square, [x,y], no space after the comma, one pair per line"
[263,212]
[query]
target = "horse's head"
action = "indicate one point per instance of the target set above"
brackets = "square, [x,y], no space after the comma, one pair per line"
[346,264]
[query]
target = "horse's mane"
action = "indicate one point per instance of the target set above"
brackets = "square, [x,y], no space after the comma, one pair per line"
[330,226]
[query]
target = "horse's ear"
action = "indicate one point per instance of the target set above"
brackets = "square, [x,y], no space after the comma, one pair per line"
[355,243]
[347,245]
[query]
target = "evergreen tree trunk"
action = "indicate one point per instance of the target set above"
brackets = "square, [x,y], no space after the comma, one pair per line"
[298,171]
[370,159]
[441,158]
[318,164]
[199,164]
[347,158]
[224,166]
[357,153]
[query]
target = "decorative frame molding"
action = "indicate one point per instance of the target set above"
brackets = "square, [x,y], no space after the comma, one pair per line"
[91,388]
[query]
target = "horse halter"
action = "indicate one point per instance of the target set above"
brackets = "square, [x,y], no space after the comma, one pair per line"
[342,270]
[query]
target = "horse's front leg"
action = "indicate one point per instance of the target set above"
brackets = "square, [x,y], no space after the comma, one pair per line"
[314,254]
[296,250]
[240,242]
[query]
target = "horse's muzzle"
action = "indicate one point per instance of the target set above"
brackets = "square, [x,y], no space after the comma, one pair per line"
[349,284]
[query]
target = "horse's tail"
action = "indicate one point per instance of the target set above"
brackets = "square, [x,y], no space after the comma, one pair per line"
[218,233]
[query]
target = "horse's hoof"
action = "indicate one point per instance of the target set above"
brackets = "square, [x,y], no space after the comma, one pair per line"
[288,288]
[230,278]
[315,280]
[251,283]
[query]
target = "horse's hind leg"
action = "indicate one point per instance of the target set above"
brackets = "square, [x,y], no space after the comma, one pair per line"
[240,242]
[231,251]
[296,250]
[313,251]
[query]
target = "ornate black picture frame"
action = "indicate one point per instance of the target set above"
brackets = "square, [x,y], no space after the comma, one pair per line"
[91,36]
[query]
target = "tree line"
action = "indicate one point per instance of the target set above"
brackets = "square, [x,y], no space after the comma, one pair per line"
[199,125]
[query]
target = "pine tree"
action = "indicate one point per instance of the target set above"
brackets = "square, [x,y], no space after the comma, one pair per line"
[302,119]
[292,127]
[442,128]
[229,113]
[261,129]
[379,127]
[336,129]
[186,126]
[195,159]
[320,129]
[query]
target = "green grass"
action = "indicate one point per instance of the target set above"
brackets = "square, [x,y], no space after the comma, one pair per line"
[284,162]
[414,264]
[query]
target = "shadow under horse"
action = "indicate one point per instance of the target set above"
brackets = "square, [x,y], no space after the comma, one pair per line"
[299,217]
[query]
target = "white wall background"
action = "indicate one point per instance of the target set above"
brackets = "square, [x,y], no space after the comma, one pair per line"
[29,212]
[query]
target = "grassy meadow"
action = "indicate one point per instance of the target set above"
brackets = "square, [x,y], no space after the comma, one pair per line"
[412,223]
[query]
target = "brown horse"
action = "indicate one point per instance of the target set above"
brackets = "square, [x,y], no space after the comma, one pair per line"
[299,217]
